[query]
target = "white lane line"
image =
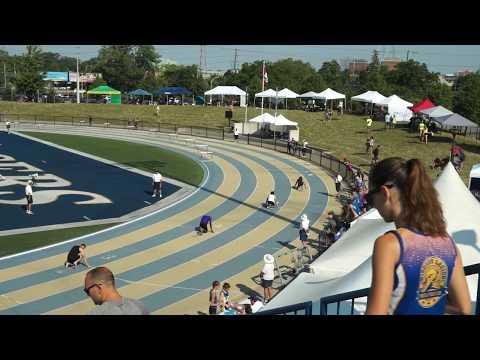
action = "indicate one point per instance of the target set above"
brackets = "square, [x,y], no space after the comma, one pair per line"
[146,202]
[8,298]
[87,218]
[43,161]
[158,285]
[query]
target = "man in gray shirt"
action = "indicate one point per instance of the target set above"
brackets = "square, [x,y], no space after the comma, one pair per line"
[100,287]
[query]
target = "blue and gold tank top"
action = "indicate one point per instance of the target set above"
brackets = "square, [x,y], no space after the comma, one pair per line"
[422,274]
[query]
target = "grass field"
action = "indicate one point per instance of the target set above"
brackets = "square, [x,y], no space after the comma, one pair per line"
[139,156]
[344,138]
[12,244]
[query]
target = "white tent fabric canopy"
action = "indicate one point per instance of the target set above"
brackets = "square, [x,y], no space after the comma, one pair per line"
[270,93]
[475,172]
[264,118]
[394,100]
[346,265]
[310,94]
[226,90]
[436,111]
[371,97]
[286,94]
[399,107]
[329,94]
[281,120]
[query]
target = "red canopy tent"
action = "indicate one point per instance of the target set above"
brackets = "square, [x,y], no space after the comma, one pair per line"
[422,105]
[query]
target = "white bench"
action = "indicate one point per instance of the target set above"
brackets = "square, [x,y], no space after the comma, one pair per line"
[206,154]
[189,141]
[202,147]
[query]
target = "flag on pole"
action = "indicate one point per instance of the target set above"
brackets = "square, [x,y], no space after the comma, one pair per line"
[265,75]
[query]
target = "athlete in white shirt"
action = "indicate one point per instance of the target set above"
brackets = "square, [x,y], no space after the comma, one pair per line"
[271,202]
[157,184]
[29,196]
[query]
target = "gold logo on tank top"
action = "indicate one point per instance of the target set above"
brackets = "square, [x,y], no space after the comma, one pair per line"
[433,281]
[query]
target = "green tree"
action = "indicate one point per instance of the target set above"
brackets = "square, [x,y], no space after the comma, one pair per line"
[332,74]
[185,76]
[146,58]
[29,79]
[466,100]
[118,67]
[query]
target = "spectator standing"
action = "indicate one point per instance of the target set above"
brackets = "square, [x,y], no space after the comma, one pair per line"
[369,122]
[236,133]
[338,183]
[29,197]
[367,146]
[289,145]
[267,275]
[7,124]
[387,120]
[417,268]
[157,184]
[157,110]
[304,229]
[394,120]
[100,287]
[304,147]
[421,128]
[214,298]
[376,153]
[77,255]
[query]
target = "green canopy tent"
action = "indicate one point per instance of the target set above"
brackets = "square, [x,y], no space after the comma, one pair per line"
[106,90]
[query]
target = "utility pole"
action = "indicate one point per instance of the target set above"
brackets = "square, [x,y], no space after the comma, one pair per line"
[78,83]
[235,61]
[408,53]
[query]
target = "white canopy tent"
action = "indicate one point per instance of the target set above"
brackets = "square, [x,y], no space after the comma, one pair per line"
[228,91]
[369,97]
[329,94]
[399,107]
[308,95]
[281,120]
[286,94]
[474,181]
[264,118]
[346,265]
[266,94]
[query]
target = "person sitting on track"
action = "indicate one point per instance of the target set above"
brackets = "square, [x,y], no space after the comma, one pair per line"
[77,255]
[204,221]
[271,200]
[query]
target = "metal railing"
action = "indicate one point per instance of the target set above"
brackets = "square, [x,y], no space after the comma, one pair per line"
[315,155]
[302,308]
[352,295]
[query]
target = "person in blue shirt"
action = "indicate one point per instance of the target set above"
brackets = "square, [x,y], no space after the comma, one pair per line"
[204,221]
[416,269]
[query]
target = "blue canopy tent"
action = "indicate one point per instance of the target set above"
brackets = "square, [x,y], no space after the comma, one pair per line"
[174,91]
[140,92]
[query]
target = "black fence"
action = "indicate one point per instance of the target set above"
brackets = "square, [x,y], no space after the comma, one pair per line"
[352,295]
[315,155]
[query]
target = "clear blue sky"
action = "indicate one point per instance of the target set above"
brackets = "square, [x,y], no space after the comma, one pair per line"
[439,58]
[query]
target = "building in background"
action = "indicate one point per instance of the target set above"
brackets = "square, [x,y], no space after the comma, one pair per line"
[357,66]
[391,63]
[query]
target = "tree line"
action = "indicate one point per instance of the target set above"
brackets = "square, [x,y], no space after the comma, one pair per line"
[129,67]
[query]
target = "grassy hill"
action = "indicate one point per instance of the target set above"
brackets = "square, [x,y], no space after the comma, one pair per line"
[343,137]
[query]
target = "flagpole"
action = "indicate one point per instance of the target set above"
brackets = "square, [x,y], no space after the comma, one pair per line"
[246,110]
[263,81]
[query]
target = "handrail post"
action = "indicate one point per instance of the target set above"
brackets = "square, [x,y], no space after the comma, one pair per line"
[248,139]
[223,133]
[275,144]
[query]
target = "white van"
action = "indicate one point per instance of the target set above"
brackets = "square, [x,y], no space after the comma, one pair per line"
[474,183]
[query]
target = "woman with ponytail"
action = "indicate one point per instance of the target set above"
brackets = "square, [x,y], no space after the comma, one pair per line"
[417,269]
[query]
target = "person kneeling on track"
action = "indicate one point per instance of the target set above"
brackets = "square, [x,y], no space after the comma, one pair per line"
[204,221]
[77,255]
[271,201]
